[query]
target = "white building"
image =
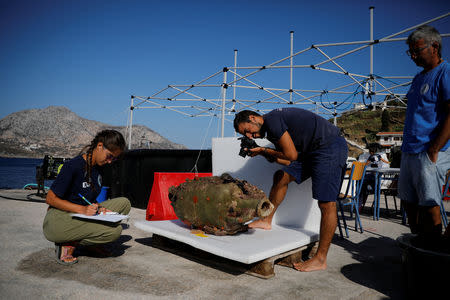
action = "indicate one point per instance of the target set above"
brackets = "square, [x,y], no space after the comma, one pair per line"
[390,139]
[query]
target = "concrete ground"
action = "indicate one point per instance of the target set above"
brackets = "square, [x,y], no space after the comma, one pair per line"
[363,266]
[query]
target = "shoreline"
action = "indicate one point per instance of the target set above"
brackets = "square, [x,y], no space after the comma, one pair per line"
[27,157]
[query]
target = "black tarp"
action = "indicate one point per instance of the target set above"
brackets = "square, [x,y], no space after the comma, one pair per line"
[132,175]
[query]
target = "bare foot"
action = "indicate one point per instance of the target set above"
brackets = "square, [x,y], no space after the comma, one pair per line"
[312,264]
[261,223]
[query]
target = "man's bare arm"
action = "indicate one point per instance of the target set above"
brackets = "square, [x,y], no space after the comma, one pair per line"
[284,157]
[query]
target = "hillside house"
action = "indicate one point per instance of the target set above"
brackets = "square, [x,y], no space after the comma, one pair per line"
[389,139]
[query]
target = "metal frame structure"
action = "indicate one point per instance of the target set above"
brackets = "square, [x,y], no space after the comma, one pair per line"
[197,100]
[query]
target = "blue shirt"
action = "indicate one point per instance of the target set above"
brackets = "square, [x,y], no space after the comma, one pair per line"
[71,181]
[307,130]
[427,100]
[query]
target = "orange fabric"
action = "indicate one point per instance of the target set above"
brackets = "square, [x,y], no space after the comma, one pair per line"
[358,170]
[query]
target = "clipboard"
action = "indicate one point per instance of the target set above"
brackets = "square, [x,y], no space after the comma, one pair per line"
[106,217]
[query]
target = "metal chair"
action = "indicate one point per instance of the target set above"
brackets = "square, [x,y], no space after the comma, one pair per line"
[390,189]
[351,196]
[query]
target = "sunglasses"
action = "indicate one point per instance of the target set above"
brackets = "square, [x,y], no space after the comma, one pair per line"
[109,155]
[416,51]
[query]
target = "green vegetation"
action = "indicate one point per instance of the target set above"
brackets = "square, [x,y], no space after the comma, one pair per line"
[362,126]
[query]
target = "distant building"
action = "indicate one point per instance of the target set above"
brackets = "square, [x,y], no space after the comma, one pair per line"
[390,139]
[358,106]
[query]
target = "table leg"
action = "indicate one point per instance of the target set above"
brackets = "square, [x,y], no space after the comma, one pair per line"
[376,197]
[379,195]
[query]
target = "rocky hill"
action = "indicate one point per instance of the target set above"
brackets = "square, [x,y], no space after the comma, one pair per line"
[362,126]
[60,132]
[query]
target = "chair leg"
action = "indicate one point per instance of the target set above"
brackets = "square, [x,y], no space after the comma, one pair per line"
[343,218]
[358,221]
[395,204]
[386,202]
[339,224]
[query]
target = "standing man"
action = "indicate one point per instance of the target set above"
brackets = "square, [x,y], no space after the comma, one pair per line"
[308,146]
[426,154]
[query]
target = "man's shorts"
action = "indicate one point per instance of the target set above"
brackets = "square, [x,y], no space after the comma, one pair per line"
[421,180]
[326,167]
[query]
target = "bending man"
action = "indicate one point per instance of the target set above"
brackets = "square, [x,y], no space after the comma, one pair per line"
[308,146]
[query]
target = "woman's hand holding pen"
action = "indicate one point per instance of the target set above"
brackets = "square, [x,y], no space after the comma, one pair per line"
[91,209]
[94,209]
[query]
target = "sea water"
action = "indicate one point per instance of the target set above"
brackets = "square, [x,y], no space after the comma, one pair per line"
[15,173]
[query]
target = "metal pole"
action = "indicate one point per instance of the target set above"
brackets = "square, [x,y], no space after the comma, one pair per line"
[224,95]
[234,83]
[292,63]
[334,113]
[234,80]
[131,123]
[371,39]
[371,51]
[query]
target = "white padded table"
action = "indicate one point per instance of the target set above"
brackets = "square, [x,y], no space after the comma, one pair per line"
[296,222]
[247,247]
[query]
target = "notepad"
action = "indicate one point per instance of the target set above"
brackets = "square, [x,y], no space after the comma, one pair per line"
[107,217]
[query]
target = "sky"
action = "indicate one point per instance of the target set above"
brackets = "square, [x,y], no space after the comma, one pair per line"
[92,56]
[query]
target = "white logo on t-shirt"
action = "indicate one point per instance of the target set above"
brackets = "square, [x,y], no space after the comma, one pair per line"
[424,89]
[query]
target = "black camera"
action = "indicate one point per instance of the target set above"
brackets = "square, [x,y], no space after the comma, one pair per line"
[248,144]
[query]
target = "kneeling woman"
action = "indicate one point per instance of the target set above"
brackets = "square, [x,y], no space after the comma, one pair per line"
[80,176]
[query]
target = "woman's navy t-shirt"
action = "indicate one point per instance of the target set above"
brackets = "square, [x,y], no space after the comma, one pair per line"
[71,181]
[307,130]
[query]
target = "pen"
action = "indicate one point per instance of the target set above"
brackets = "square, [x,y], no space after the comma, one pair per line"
[87,201]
